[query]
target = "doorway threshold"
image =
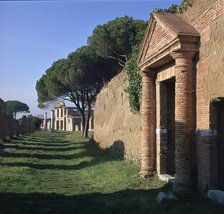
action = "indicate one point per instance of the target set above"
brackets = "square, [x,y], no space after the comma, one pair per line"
[167,178]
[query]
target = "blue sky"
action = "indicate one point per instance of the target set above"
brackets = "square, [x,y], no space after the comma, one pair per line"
[34,34]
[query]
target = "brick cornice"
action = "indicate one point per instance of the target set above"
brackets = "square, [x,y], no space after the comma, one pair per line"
[183,54]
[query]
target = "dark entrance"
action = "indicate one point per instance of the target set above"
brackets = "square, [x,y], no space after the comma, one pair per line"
[220,144]
[170,86]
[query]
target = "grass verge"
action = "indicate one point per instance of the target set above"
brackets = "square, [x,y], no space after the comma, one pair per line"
[59,172]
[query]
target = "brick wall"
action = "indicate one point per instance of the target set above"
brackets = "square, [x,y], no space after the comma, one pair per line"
[207,18]
[201,16]
[115,126]
[161,35]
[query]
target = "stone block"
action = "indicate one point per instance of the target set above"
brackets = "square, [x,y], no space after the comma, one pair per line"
[216,195]
[161,197]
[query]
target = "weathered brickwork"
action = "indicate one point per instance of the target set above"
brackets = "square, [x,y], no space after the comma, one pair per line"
[162,36]
[202,15]
[115,126]
[208,18]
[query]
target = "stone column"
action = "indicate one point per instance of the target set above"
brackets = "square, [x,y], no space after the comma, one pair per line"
[184,120]
[52,120]
[45,121]
[148,124]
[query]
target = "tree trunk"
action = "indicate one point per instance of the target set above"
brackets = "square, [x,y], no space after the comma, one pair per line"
[87,121]
[83,123]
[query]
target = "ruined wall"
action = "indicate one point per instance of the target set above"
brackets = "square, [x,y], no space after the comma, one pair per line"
[207,16]
[115,126]
[9,127]
[215,51]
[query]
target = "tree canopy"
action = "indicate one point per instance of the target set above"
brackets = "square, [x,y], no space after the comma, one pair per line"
[78,79]
[116,38]
[14,106]
[81,76]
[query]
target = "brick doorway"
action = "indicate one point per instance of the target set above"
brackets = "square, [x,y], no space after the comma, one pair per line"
[220,144]
[166,127]
[170,84]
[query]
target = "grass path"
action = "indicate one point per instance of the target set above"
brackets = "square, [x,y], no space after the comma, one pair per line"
[60,172]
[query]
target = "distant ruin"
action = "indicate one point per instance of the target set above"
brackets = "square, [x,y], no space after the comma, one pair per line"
[65,119]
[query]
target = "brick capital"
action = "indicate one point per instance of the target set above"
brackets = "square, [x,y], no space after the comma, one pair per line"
[147,75]
[182,54]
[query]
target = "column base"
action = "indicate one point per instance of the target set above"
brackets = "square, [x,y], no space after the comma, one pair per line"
[146,173]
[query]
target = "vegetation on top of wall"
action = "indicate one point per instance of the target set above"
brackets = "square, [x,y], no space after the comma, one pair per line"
[175,8]
[134,79]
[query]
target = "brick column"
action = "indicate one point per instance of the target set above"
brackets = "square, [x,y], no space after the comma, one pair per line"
[184,120]
[148,124]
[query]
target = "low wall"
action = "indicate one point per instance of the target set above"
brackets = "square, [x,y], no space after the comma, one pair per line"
[115,126]
[10,127]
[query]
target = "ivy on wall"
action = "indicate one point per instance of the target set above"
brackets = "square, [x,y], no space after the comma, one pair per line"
[134,79]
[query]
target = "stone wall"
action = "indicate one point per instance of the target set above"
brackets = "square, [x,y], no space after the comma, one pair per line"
[115,126]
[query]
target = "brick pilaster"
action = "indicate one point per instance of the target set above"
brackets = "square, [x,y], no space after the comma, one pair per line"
[148,124]
[184,120]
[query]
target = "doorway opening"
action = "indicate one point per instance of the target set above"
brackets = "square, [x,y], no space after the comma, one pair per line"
[170,85]
[220,144]
[166,139]
[170,108]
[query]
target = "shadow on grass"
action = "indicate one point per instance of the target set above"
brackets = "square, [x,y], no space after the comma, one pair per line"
[52,166]
[90,149]
[45,156]
[51,149]
[125,201]
[51,143]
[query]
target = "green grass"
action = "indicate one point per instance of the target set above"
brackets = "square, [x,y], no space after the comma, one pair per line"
[59,172]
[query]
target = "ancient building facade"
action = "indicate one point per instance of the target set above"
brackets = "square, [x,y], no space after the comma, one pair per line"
[65,119]
[182,114]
